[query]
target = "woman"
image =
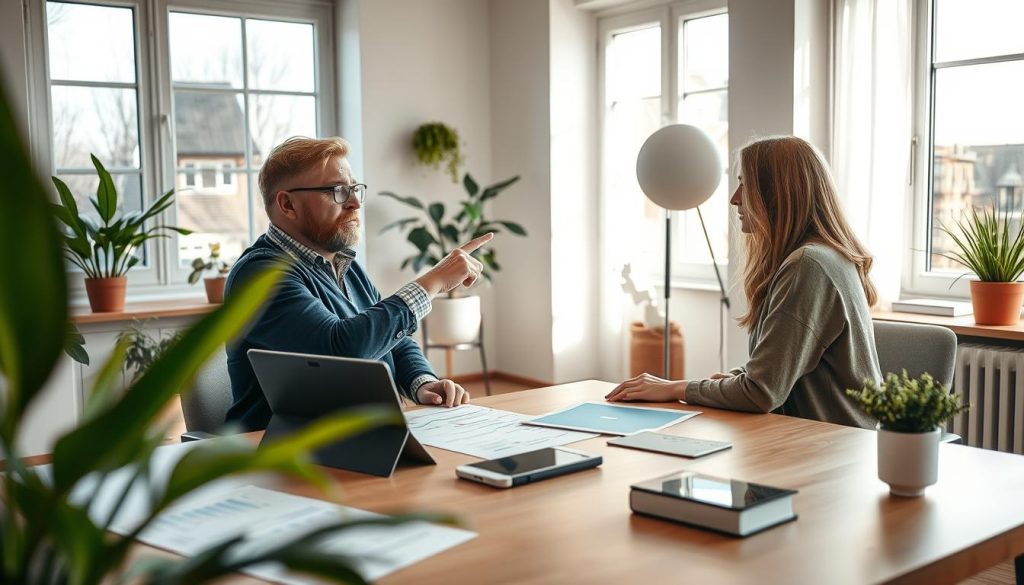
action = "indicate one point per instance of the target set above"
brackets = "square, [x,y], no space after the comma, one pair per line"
[807,286]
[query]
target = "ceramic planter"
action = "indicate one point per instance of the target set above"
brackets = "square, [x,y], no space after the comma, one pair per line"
[454,320]
[215,288]
[908,462]
[106,295]
[997,303]
[647,350]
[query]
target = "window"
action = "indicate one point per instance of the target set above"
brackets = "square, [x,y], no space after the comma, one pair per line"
[240,86]
[94,97]
[971,60]
[196,105]
[664,66]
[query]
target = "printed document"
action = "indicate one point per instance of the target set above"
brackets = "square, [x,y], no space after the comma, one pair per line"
[268,517]
[484,432]
[231,505]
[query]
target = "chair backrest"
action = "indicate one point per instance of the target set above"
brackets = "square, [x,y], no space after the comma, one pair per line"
[917,348]
[205,406]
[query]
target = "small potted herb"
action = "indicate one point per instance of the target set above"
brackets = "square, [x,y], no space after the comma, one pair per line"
[215,265]
[105,251]
[988,245]
[909,412]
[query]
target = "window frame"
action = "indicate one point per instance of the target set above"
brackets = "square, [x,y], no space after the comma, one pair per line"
[162,277]
[670,17]
[917,279]
[142,275]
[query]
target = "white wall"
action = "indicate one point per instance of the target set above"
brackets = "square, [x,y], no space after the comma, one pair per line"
[13,66]
[761,57]
[420,61]
[574,194]
[521,134]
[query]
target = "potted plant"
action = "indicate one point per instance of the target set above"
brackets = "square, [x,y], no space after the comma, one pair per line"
[455,319]
[141,349]
[909,412]
[436,143]
[49,531]
[214,284]
[106,251]
[994,252]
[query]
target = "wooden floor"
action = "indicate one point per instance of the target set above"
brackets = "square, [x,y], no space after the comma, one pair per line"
[1002,574]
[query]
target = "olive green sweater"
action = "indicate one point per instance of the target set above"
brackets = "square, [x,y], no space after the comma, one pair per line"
[812,341]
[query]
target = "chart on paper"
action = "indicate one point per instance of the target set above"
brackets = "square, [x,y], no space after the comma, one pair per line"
[484,432]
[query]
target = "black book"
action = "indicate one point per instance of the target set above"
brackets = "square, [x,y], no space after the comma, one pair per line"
[734,507]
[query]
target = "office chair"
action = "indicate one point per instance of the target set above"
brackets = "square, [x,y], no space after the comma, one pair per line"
[917,348]
[206,404]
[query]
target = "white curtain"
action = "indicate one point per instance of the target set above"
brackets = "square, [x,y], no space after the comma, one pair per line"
[873,129]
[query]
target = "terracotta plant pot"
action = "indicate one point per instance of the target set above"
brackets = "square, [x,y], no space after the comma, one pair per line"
[106,295]
[997,303]
[647,350]
[215,289]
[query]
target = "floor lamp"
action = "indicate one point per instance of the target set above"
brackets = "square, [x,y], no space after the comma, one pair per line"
[678,168]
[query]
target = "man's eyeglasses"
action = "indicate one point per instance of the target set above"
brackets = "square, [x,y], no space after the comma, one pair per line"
[341,193]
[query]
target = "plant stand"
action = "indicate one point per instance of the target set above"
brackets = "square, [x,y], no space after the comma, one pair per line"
[449,348]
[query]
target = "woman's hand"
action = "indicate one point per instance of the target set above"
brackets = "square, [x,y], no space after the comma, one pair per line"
[649,389]
[720,375]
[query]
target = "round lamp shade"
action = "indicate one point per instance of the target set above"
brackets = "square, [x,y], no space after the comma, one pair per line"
[678,167]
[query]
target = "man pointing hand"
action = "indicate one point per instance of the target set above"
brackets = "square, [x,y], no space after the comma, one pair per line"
[326,304]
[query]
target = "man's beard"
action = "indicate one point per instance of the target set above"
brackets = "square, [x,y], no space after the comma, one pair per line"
[333,238]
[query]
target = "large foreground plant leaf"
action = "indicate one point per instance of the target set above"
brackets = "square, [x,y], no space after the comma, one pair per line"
[108,440]
[33,294]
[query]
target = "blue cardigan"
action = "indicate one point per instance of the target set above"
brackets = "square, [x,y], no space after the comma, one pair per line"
[309,313]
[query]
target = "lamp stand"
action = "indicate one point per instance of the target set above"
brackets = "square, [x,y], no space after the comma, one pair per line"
[668,288]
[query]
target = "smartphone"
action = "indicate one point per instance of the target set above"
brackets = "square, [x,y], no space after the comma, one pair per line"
[526,467]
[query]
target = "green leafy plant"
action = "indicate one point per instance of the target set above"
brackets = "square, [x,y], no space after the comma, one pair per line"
[212,263]
[107,250]
[141,349]
[988,246]
[74,345]
[908,405]
[436,143]
[47,534]
[434,236]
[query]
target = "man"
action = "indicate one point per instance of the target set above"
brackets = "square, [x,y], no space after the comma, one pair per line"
[326,304]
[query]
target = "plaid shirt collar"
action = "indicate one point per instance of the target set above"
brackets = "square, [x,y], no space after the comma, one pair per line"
[303,253]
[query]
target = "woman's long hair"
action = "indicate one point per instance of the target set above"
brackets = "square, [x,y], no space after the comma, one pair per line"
[790,199]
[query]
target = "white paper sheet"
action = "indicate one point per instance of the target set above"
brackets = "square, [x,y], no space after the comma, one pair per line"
[484,432]
[231,506]
[268,517]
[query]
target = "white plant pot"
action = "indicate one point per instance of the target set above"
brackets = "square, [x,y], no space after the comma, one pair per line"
[908,462]
[454,321]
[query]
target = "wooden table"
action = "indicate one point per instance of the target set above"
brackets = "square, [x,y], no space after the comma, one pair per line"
[578,528]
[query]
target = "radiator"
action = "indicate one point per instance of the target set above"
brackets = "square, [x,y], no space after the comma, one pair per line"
[991,379]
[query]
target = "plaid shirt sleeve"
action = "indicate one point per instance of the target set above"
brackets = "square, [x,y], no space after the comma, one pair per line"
[418,381]
[416,297]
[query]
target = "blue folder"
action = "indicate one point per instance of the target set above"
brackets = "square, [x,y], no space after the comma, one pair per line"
[612,419]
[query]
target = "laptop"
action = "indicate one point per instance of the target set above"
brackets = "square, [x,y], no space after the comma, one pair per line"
[301,388]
